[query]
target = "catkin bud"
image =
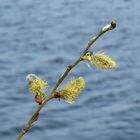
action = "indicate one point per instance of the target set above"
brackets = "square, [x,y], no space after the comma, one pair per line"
[38,99]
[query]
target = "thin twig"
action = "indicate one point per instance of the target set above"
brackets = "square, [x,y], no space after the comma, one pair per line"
[54,94]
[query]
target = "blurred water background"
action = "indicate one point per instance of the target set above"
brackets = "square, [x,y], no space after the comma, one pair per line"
[43,37]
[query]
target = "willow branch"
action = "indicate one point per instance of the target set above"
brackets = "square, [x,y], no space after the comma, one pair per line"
[55,94]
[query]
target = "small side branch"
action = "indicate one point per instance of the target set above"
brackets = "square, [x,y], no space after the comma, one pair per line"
[106,28]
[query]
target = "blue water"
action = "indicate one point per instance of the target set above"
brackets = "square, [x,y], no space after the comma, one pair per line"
[43,37]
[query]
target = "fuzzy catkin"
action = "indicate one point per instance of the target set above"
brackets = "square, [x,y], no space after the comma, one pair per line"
[37,85]
[72,89]
[101,60]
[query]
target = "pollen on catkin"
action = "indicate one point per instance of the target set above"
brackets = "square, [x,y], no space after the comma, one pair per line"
[101,60]
[72,89]
[37,85]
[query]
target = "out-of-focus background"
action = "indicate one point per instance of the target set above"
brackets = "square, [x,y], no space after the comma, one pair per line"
[43,37]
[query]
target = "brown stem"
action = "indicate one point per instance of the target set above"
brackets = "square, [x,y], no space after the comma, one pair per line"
[36,113]
[55,94]
[69,68]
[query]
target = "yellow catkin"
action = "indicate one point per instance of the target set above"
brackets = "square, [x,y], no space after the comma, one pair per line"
[37,85]
[72,89]
[101,60]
